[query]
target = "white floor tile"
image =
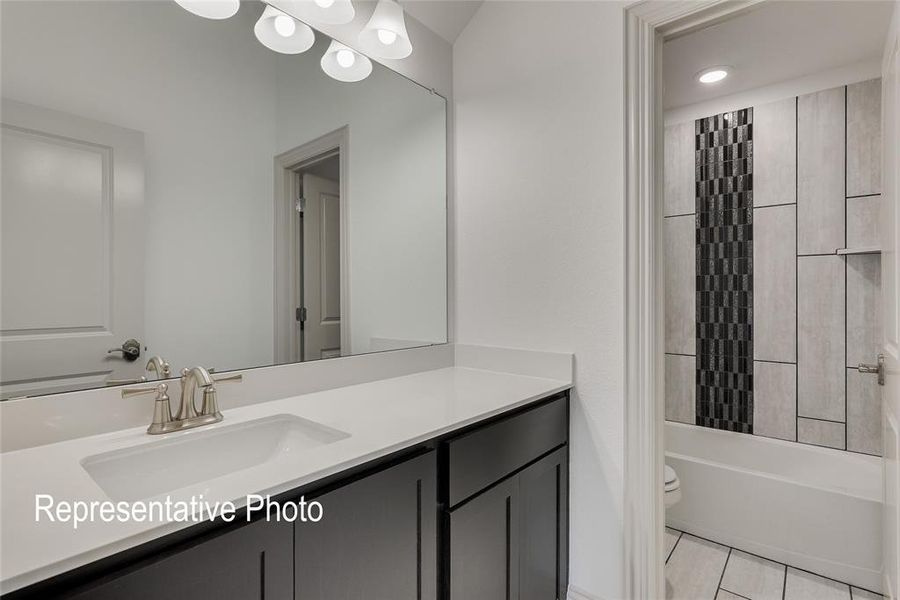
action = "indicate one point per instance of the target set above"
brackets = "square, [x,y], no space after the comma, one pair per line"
[806,586]
[726,595]
[859,594]
[694,569]
[753,577]
[671,539]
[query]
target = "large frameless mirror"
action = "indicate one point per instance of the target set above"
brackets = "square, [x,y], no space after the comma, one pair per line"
[179,187]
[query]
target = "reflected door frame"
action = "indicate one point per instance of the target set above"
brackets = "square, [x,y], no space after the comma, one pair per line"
[286,221]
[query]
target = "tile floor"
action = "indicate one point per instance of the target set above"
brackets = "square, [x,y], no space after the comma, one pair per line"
[698,569]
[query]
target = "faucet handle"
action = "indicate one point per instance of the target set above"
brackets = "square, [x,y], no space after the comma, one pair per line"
[210,404]
[159,389]
[162,409]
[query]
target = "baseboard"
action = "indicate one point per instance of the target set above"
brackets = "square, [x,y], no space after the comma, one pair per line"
[574,593]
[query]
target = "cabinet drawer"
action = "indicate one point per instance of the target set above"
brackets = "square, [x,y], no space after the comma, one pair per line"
[486,455]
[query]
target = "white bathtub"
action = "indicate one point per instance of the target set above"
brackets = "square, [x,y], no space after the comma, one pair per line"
[813,508]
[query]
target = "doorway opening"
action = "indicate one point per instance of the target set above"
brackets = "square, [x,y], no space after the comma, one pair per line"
[720,371]
[312,293]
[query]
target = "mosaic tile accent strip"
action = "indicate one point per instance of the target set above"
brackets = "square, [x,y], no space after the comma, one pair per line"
[724,240]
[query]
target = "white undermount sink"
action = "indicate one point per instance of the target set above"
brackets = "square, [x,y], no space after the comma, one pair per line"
[192,457]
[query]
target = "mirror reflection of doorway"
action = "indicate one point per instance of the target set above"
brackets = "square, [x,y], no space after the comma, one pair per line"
[318,280]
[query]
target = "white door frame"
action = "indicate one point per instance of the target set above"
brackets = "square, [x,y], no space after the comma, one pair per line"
[286,233]
[647,25]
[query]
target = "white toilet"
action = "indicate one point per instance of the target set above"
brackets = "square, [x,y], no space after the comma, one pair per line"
[672,487]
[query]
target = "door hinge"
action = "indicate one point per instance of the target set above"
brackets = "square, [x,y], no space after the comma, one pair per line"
[300,314]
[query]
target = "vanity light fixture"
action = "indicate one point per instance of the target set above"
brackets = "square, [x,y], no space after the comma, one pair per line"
[345,64]
[384,36]
[328,12]
[211,9]
[712,75]
[283,33]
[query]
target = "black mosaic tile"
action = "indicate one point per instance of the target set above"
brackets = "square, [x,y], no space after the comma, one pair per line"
[723,170]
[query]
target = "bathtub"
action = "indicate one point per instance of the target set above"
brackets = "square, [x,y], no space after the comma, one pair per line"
[813,508]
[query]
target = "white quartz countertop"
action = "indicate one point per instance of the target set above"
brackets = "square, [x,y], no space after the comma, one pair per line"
[381,417]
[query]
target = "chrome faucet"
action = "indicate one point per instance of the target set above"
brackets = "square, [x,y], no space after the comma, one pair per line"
[157,365]
[191,379]
[187,416]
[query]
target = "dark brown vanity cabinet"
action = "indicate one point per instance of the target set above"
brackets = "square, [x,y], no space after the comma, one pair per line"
[247,562]
[378,540]
[509,540]
[477,514]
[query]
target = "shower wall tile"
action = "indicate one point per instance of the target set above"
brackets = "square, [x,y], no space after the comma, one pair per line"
[864,138]
[679,169]
[680,264]
[680,388]
[863,308]
[862,222]
[775,400]
[820,172]
[821,433]
[724,222]
[820,319]
[775,152]
[774,283]
[863,413]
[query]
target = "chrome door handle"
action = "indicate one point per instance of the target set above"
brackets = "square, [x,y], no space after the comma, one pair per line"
[876,369]
[131,350]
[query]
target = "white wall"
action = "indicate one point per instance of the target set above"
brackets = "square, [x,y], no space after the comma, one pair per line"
[213,104]
[538,97]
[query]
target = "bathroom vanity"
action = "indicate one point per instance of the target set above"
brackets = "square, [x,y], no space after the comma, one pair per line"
[450,483]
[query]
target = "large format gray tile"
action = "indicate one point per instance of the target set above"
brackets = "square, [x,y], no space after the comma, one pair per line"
[775,153]
[679,169]
[694,569]
[753,577]
[775,400]
[801,585]
[863,138]
[681,389]
[820,347]
[862,222]
[681,285]
[671,539]
[863,308]
[820,172]
[863,413]
[860,594]
[726,595]
[821,433]
[775,283]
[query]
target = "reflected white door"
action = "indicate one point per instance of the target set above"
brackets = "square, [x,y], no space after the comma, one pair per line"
[71,250]
[890,234]
[321,268]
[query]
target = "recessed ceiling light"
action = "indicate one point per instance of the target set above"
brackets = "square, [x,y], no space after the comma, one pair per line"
[712,75]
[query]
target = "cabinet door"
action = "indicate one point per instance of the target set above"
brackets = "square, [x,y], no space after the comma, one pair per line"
[377,539]
[511,541]
[250,562]
[543,528]
[484,562]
